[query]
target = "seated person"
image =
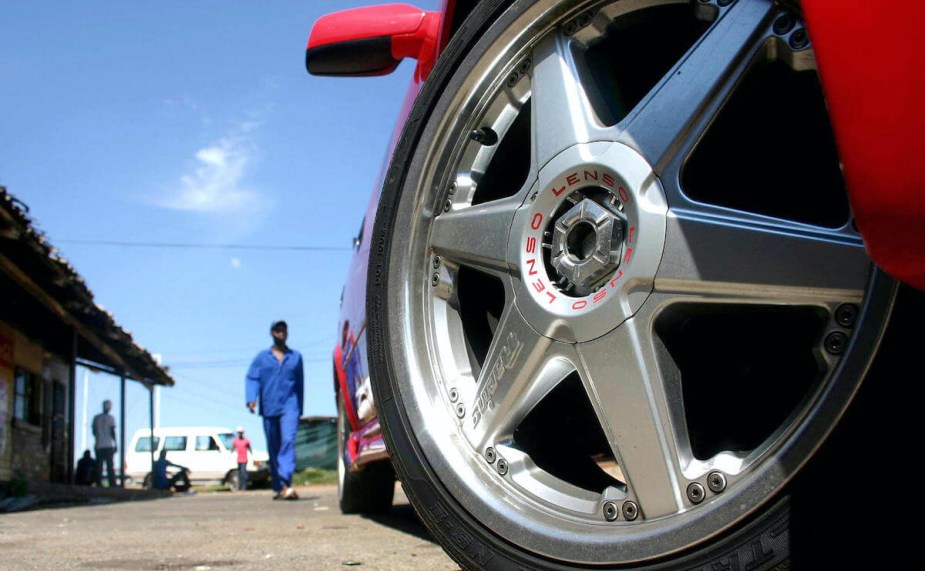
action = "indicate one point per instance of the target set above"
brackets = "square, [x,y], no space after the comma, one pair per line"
[86,470]
[179,481]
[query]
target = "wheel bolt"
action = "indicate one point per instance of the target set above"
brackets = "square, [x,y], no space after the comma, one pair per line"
[454,394]
[783,24]
[630,511]
[502,466]
[799,39]
[436,262]
[570,28]
[716,481]
[490,455]
[836,342]
[525,65]
[460,410]
[585,19]
[435,280]
[512,81]
[452,188]
[846,314]
[447,205]
[610,511]
[695,493]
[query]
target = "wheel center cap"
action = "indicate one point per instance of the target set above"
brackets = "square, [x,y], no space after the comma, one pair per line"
[588,241]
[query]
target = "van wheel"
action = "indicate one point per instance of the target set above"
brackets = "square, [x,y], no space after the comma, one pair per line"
[147,484]
[233,481]
[369,490]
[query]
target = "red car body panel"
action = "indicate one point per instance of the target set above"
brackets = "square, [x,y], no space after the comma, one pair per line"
[866,54]
[869,55]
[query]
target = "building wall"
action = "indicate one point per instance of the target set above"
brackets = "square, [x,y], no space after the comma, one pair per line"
[37,450]
[7,340]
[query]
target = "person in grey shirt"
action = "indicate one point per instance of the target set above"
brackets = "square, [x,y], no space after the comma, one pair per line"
[104,432]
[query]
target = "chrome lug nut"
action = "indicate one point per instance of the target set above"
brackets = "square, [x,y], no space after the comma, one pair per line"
[502,466]
[611,512]
[435,280]
[436,262]
[716,481]
[447,205]
[836,342]
[630,511]
[846,314]
[695,493]
[454,394]
[460,410]
[490,455]
[452,188]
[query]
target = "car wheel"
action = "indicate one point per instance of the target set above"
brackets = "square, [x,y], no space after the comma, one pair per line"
[615,299]
[369,489]
[233,480]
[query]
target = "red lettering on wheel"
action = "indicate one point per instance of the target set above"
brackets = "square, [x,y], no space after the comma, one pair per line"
[537,220]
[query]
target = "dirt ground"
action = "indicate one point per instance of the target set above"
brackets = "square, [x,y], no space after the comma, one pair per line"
[219,530]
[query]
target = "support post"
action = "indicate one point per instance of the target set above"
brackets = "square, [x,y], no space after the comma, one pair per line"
[122,428]
[151,426]
[71,403]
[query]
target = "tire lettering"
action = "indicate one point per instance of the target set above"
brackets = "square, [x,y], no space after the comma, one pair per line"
[572,179]
[630,238]
[629,254]
[532,271]
[580,304]
[590,175]
[557,192]
[600,295]
[539,286]
[552,298]
[608,180]
[538,219]
[531,245]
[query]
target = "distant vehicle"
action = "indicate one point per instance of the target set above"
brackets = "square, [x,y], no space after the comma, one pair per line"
[316,443]
[205,450]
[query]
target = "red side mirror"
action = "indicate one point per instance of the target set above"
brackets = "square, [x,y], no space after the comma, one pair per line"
[372,41]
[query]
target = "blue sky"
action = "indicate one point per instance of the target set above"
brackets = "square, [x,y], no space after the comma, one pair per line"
[194,122]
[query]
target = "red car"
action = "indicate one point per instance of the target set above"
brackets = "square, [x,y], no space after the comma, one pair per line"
[616,289]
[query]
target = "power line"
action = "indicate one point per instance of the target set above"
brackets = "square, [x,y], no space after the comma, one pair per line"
[194,246]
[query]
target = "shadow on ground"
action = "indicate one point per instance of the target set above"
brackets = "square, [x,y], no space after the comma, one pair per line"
[403,518]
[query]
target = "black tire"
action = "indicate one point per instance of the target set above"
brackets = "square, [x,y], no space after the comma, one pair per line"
[759,540]
[233,480]
[147,482]
[367,490]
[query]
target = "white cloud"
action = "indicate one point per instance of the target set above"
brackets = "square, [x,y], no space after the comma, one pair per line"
[235,264]
[214,182]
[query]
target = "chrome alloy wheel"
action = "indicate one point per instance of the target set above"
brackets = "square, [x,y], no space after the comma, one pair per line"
[607,349]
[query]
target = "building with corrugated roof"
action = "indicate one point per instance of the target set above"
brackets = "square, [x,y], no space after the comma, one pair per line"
[49,324]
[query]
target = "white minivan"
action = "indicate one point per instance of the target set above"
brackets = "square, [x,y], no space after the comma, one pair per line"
[205,450]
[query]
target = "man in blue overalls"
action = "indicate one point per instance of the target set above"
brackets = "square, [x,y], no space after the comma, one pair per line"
[276,377]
